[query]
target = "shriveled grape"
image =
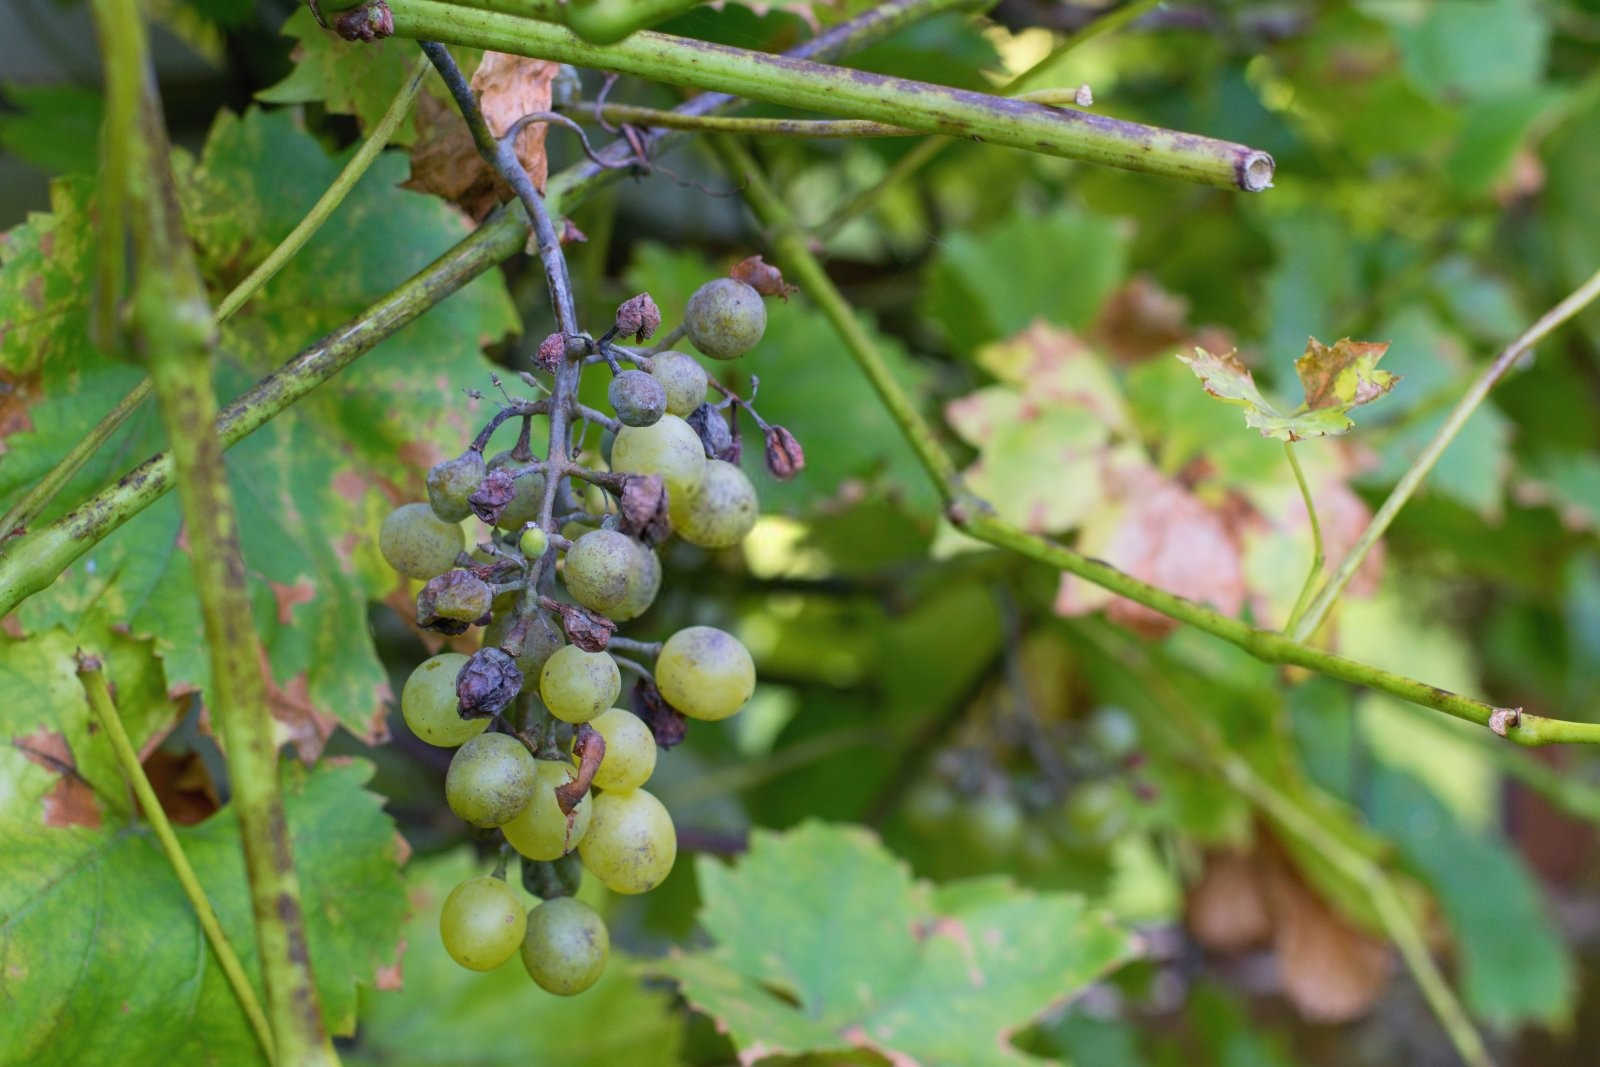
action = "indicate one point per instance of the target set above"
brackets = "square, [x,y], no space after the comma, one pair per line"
[482,923]
[631,843]
[705,673]
[428,703]
[418,543]
[490,780]
[566,946]
[541,830]
[577,685]
[526,499]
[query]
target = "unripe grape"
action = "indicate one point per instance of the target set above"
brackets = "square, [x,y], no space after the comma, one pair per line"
[1113,731]
[631,843]
[577,685]
[928,806]
[428,703]
[1096,812]
[418,543]
[482,923]
[610,572]
[533,542]
[630,756]
[669,448]
[452,481]
[991,824]
[721,512]
[725,318]
[705,673]
[541,830]
[684,379]
[528,495]
[566,946]
[490,780]
[637,398]
[539,641]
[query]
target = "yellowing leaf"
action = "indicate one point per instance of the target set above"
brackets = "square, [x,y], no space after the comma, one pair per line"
[1335,378]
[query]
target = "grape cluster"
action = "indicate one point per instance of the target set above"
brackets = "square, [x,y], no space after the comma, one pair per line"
[545,754]
[1040,821]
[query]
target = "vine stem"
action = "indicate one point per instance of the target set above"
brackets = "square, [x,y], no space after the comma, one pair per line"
[919,106]
[37,498]
[171,328]
[1420,467]
[1199,739]
[975,518]
[918,157]
[1317,557]
[91,672]
[775,127]
[38,559]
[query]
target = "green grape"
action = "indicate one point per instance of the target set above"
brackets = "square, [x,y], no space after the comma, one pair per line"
[577,685]
[928,806]
[523,507]
[630,750]
[490,780]
[725,318]
[721,513]
[683,378]
[1096,812]
[669,448]
[566,946]
[538,643]
[418,543]
[637,398]
[705,673]
[482,923]
[1113,731]
[610,572]
[991,824]
[533,542]
[631,843]
[541,831]
[452,481]
[429,703]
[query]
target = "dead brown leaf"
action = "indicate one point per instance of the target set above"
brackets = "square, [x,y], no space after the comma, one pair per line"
[445,162]
[1226,910]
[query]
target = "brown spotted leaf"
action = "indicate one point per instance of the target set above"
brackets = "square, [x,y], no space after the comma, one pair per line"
[1345,375]
[918,973]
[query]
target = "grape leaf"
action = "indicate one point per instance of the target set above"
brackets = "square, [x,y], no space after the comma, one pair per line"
[312,485]
[985,286]
[357,78]
[102,957]
[442,1013]
[56,127]
[826,944]
[1336,379]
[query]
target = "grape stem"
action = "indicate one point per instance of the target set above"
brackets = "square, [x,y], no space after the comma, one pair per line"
[652,649]
[91,672]
[171,327]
